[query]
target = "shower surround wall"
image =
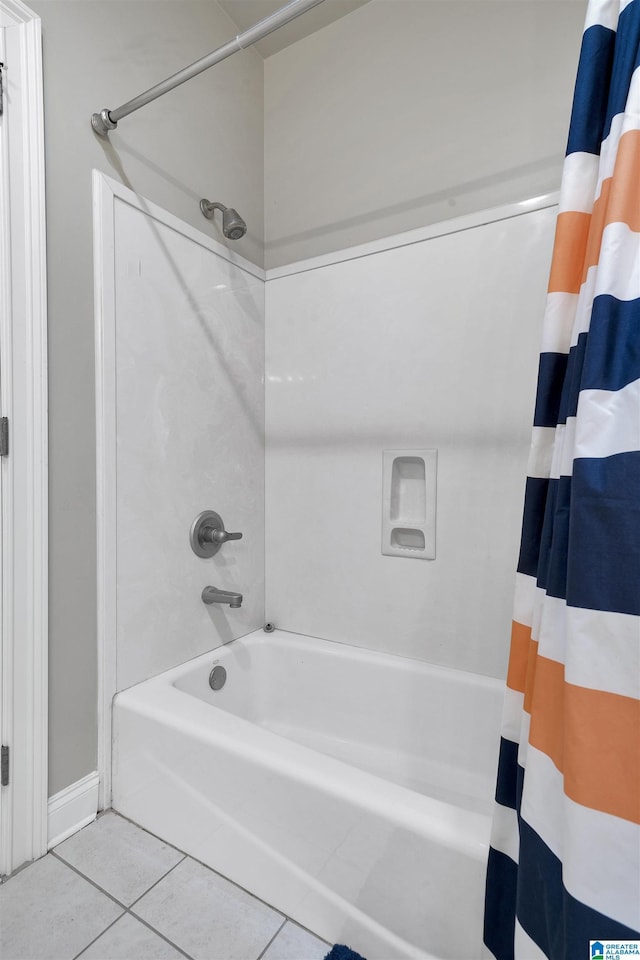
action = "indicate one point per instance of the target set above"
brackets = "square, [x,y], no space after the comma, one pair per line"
[425,342]
[431,344]
[187,328]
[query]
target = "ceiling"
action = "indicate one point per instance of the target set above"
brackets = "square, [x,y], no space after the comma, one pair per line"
[245,13]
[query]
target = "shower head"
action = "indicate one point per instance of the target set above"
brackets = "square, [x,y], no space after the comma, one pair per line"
[233,226]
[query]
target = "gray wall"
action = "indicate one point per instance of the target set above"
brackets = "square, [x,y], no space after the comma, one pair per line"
[204,139]
[408,112]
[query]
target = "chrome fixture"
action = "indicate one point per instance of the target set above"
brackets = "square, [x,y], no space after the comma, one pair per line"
[233,226]
[207,534]
[213,595]
[217,677]
[269,627]
[107,119]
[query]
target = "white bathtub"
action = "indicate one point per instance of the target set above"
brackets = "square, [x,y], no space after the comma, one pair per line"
[350,790]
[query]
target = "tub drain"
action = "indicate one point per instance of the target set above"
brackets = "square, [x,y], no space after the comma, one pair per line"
[217,678]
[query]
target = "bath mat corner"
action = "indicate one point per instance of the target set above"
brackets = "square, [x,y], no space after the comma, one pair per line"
[340,952]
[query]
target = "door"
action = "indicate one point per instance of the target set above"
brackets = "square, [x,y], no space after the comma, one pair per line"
[23,463]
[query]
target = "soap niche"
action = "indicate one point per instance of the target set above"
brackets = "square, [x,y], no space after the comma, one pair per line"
[409,503]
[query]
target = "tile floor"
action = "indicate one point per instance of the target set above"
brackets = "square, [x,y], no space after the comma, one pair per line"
[115,892]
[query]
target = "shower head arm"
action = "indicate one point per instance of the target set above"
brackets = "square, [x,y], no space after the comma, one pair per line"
[208,206]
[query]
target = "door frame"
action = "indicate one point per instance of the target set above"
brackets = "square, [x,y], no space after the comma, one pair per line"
[24,471]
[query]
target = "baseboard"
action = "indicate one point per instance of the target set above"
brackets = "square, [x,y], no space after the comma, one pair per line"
[72,808]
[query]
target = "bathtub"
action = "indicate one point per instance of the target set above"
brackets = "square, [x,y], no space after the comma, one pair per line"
[351,790]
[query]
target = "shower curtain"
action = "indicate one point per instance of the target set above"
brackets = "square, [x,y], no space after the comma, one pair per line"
[563,875]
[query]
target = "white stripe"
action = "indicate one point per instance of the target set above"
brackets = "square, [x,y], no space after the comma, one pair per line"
[603,651]
[538,611]
[525,947]
[603,13]
[618,267]
[541,452]
[608,421]
[552,628]
[565,463]
[580,179]
[600,852]
[525,598]
[617,274]
[563,449]
[621,123]
[600,649]
[505,835]
[524,746]
[512,715]
[559,319]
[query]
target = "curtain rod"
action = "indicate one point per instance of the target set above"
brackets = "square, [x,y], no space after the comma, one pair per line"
[108,119]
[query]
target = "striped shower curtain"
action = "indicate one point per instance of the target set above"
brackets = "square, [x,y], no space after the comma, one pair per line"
[563,877]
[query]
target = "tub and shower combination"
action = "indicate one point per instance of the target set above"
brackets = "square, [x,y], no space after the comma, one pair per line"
[347,781]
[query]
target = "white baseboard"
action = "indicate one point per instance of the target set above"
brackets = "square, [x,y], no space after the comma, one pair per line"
[72,808]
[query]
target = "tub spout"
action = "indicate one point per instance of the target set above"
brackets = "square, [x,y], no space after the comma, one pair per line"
[213,595]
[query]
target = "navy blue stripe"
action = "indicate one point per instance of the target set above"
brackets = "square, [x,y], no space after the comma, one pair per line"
[535,498]
[573,378]
[552,371]
[612,357]
[554,540]
[546,533]
[604,549]
[561,925]
[605,358]
[581,534]
[500,905]
[626,58]
[589,114]
[507,779]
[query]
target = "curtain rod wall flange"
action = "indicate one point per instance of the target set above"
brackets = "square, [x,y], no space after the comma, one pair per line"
[107,119]
[102,123]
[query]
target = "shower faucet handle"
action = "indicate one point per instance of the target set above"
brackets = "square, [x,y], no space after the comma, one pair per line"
[218,535]
[208,534]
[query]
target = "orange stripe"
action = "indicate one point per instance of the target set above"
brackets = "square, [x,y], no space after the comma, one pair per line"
[523,658]
[518,656]
[579,235]
[532,666]
[619,200]
[592,737]
[569,251]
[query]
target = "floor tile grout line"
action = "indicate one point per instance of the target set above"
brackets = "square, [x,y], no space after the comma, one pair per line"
[161,935]
[111,811]
[280,928]
[137,900]
[185,856]
[203,864]
[238,886]
[90,944]
[294,923]
[144,923]
[125,909]
[106,893]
